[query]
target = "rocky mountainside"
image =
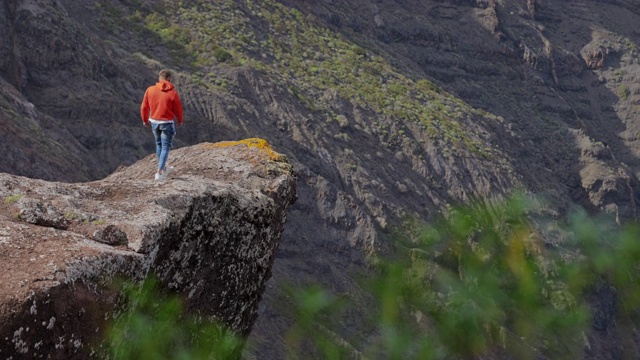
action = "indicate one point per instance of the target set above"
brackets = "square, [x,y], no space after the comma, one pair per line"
[208,233]
[388,110]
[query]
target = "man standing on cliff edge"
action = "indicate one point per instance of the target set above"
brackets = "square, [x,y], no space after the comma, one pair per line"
[160,106]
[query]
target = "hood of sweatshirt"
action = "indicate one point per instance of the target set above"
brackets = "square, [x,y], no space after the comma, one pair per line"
[164,85]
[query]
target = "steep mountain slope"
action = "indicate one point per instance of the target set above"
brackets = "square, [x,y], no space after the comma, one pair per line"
[560,73]
[387,109]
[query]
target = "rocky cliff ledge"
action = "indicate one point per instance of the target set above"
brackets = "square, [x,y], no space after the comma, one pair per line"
[209,233]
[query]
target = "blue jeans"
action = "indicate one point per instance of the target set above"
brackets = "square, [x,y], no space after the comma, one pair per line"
[163,134]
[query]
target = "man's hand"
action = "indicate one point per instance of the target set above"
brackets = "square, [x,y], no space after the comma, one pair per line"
[147,124]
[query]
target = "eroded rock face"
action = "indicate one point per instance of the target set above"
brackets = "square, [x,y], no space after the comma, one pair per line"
[209,233]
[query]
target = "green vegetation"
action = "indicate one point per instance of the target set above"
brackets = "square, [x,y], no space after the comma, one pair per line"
[623,92]
[317,59]
[154,327]
[13,198]
[156,24]
[70,215]
[222,55]
[482,282]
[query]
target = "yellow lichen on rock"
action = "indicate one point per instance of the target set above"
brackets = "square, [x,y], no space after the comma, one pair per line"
[257,143]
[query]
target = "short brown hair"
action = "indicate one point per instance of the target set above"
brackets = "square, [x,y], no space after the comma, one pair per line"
[165,74]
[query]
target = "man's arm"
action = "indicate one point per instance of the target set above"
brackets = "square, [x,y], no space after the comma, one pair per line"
[144,109]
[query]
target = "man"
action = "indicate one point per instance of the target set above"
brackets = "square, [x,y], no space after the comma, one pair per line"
[160,107]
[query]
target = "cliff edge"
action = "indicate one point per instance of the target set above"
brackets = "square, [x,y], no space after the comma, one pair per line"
[208,233]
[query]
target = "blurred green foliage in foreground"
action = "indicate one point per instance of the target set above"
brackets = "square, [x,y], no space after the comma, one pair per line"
[487,280]
[154,327]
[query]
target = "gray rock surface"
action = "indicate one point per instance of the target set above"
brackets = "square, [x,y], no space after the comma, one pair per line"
[209,233]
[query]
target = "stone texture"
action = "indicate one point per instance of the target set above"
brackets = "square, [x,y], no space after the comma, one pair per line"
[209,233]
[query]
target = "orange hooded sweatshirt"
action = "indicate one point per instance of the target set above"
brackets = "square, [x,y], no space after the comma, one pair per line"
[161,102]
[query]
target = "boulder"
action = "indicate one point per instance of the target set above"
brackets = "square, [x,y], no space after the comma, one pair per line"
[208,233]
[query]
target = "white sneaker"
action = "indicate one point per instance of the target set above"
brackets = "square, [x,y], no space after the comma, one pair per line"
[160,177]
[167,170]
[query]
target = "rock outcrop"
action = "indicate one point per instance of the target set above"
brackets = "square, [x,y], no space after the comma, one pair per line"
[208,233]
